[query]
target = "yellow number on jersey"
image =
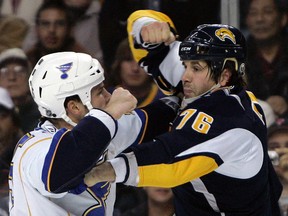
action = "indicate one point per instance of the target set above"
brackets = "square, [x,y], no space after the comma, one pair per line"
[201,124]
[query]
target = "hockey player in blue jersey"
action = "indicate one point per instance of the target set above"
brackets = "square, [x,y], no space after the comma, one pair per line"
[215,157]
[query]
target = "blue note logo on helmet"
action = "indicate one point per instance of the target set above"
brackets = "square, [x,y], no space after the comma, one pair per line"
[64,68]
[216,43]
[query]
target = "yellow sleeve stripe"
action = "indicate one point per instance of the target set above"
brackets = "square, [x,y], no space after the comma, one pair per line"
[171,175]
[140,53]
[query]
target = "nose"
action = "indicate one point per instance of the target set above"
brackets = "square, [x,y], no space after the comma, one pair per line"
[107,95]
[186,76]
[11,75]
[134,65]
[259,15]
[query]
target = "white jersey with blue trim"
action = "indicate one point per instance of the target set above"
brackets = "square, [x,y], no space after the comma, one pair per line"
[28,195]
[47,169]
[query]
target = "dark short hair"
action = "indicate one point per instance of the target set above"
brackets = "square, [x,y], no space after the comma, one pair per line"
[54,4]
[279,127]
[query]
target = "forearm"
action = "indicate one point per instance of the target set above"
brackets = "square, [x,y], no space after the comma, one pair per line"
[101,173]
[120,170]
[84,145]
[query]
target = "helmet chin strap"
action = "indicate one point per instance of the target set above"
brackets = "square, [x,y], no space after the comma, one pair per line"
[187,101]
[68,120]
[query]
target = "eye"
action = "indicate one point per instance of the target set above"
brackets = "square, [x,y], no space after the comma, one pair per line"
[185,66]
[196,68]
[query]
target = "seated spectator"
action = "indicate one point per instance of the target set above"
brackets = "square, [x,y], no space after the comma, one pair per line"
[23,9]
[85,15]
[267,52]
[53,28]
[159,202]
[128,74]
[10,133]
[278,152]
[13,31]
[14,74]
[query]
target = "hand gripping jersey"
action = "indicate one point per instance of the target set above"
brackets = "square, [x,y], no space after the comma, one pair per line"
[46,174]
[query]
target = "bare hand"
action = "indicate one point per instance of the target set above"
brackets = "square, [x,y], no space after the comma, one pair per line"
[101,173]
[120,103]
[157,32]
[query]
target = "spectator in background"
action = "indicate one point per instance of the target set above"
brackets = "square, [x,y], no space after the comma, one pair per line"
[267,52]
[128,74]
[14,74]
[10,133]
[13,31]
[53,28]
[113,28]
[278,152]
[24,9]
[85,15]
[159,203]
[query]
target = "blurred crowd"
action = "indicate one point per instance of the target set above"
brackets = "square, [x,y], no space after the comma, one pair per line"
[33,28]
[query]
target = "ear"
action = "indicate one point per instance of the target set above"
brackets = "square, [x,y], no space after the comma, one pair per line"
[72,107]
[225,77]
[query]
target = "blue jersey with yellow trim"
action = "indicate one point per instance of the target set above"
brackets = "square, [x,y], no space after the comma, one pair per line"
[215,157]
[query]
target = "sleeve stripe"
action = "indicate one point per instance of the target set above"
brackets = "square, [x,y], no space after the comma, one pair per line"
[171,175]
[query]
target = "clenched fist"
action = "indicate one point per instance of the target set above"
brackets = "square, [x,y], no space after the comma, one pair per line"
[157,32]
[120,103]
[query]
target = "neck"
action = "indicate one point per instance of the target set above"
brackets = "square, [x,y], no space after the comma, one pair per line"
[160,209]
[187,101]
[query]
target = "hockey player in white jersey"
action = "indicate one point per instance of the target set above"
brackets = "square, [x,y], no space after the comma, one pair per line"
[82,125]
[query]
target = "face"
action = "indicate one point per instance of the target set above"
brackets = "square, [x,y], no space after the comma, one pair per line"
[99,99]
[99,96]
[159,195]
[14,77]
[132,75]
[279,143]
[52,29]
[263,20]
[196,78]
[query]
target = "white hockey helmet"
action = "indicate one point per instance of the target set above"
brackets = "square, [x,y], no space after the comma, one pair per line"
[60,75]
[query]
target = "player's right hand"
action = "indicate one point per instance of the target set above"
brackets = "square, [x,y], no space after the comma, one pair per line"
[120,103]
[157,32]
